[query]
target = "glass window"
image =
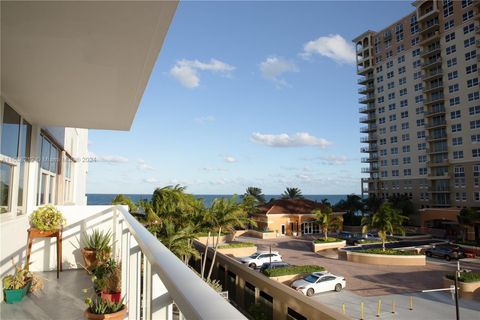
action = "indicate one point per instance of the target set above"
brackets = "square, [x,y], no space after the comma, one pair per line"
[10,132]
[5,186]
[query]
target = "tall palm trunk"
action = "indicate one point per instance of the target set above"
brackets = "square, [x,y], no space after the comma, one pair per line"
[325,232]
[204,262]
[214,254]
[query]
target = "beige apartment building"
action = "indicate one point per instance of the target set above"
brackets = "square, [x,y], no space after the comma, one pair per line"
[421,105]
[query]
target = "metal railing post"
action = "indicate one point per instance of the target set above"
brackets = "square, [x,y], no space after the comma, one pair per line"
[147,289]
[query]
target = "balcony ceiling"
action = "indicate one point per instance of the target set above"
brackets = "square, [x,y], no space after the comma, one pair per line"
[80,64]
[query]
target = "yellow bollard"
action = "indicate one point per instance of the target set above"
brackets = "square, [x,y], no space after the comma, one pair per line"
[361,311]
[379,308]
[344,308]
[411,303]
[393,306]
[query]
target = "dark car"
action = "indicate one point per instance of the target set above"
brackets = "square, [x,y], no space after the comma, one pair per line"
[274,265]
[448,253]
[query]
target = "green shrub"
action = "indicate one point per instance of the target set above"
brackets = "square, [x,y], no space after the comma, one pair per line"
[388,252]
[466,276]
[212,234]
[322,240]
[47,218]
[292,270]
[236,245]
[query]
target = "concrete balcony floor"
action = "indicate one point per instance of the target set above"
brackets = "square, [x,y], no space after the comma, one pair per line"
[60,299]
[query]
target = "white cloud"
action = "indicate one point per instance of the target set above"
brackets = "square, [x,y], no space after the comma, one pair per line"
[142,165]
[284,140]
[334,160]
[230,159]
[213,169]
[187,71]
[107,158]
[274,67]
[204,119]
[150,180]
[333,46]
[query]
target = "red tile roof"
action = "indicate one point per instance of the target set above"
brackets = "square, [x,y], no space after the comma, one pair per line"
[290,206]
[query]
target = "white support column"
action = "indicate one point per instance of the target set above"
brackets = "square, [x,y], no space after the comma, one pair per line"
[162,303]
[134,282]
[124,239]
[147,290]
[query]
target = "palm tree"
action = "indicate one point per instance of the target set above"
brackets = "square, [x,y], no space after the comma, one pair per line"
[385,220]
[177,240]
[292,193]
[124,200]
[327,219]
[373,203]
[224,214]
[256,193]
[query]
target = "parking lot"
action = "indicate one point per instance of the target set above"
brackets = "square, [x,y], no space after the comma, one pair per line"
[366,280]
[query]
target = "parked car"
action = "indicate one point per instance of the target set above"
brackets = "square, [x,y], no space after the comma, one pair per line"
[317,282]
[260,257]
[446,252]
[274,265]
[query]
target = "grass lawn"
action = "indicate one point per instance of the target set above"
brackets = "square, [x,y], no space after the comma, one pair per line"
[328,240]
[292,270]
[388,252]
[236,245]
[466,277]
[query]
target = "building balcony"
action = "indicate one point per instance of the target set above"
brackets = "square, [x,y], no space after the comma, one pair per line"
[365,79]
[432,74]
[429,38]
[367,99]
[438,177]
[364,69]
[434,99]
[436,124]
[367,129]
[443,163]
[368,119]
[477,29]
[430,28]
[430,13]
[369,159]
[440,190]
[367,109]
[369,170]
[369,138]
[432,63]
[366,89]
[153,280]
[432,50]
[437,137]
[369,149]
[436,111]
[437,151]
[436,87]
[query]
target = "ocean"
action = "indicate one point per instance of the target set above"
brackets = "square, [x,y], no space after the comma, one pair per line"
[105,199]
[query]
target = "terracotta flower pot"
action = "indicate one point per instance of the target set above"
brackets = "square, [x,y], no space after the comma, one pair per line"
[90,258]
[112,296]
[119,315]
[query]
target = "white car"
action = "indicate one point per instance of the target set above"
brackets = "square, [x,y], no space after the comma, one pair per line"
[257,259]
[319,282]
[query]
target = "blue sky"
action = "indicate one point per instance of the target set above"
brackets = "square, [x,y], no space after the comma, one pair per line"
[247,94]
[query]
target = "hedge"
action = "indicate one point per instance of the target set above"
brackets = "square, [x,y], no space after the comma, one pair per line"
[389,252]
[236,245]
[292,270]
[472,276]
[322,240]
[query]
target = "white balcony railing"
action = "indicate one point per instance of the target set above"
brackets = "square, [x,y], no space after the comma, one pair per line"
[166,279]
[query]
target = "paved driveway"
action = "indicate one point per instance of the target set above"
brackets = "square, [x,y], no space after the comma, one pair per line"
[364,280]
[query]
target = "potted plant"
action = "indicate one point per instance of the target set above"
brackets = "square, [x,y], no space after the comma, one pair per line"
[107,280]
[96,248]
[46,219]
[99,308]
[16,286]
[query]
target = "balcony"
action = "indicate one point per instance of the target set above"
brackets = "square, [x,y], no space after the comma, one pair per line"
[368,129]
[154,280]
[365,79]
[369,149]
[432,63]
[438,86]
[437,151]
[438,177]
[366,89]
[369,159]
[437,137]
[429,37]
[430,12]
[477,29]
[367,109]
[434,99]
[369,138]
[435,124]
[440,190]
[442,163]
[430,27]
[436,111]
[429,51]
[369,170]
[367,99]
[364,69]
[432,74]
[368,119]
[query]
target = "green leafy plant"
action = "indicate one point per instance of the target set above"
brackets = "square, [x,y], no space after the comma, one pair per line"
[292,270]
[98,241]
[98,305]
[329,239]
[20,278]
[47,218]
[472,276]
[107,276]
[236,245]
[389,252]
